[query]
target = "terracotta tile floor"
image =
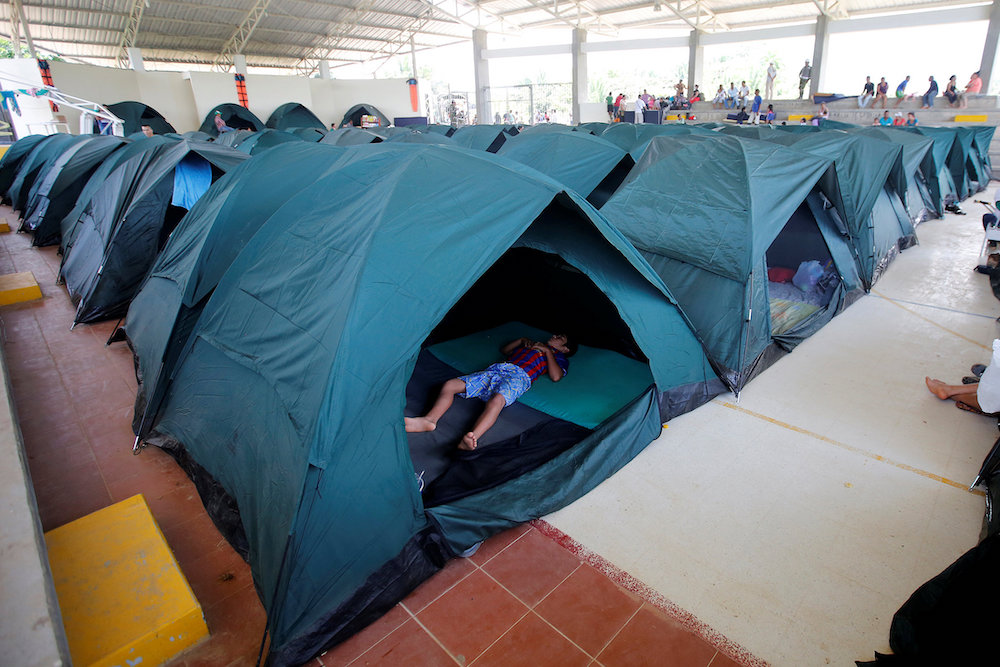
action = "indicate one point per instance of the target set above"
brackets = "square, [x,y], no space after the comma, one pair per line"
[523,599]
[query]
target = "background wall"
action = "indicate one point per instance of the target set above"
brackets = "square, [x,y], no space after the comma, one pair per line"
[185,98]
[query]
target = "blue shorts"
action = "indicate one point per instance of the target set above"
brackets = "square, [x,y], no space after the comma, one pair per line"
[508,380]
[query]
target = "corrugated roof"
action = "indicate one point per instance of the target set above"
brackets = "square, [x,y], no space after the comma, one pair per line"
[297,34]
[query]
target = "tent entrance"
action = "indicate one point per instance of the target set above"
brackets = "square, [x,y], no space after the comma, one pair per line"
[799,249]
[533,294]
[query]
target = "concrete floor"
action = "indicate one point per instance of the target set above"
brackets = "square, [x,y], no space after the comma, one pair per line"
[796,521]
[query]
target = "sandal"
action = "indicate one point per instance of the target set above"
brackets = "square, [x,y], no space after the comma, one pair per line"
[970,379]
[968,408]
[978,369]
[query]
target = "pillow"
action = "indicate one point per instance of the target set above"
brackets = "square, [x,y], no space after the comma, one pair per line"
[780,274]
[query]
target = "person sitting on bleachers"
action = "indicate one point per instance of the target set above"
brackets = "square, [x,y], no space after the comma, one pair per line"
[974,87]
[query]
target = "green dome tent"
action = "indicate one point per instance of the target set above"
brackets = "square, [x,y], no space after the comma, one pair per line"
[289,393]
[634,138]
[945,160]
[354,114]
[292,116]
[594,128]
[251,143]
[137,114]
[438,128]
[35,165]
[916,162]
[415,137]
[350,136]
[712,215]
[236,116]
[864,184]
[487,138]
[129,219]
[54,195]
[591,166]
[11,161]
[310,134]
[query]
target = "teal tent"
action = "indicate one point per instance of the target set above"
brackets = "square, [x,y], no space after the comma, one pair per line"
[977,175]
[983,139]
[595,128]
[137,114]
[69,225]
[719,218]
[14,157]
[945,160]
[354,114]
[438,128]
[487,138]
[542,128]
[292,116]
[350,136]
[917,161]
[865,185]
[35,165]
[287,398]
[827,124]
[128,220]
[54,195]
[237,117]
[591,166]
[414,137]
[251,143]
[310,134]
[634,138]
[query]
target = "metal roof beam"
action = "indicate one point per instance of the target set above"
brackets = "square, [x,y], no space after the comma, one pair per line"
[244,31]
[17,16]
[130,32]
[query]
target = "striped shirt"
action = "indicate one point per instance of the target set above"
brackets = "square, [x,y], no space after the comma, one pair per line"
[535,363]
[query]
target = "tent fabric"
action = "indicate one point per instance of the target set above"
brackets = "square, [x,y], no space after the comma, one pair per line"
[69,226]
[35,164]
[542,128]
[354,114]
[596,128]
[302,331]
[137,114]
[251,143]
[236,116]
[438,128]
[916,150]
[293,115]
[12,159]
[311,134]
[59,190]
[704,212]
[634,138]
[940,180]
[489,138]
[580,161]
[192,178]
[350,136]
[414,137]
[124,226]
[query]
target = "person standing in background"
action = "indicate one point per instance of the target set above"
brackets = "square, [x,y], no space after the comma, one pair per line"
[769,82]
[804,75]
[640,106]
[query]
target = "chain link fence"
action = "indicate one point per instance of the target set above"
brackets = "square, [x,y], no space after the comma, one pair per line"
[531,103]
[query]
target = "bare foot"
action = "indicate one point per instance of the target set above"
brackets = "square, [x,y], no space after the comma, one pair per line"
[937,388]
[419,424]
[469,442]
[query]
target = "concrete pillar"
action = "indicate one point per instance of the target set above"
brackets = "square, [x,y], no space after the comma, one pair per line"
[819,54]
[580,82]
[324,69]
[481,68]
[990,48]
[135,59]
[240,63]
[696,58]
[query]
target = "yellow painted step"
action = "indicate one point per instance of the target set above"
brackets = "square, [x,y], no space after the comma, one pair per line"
[4,226]
[971,118]
[18,287]
[124,600]
[800,116]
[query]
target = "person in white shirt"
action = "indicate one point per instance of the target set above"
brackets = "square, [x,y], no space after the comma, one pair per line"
[733,93]
[640,106]
[744,94]
[769,84]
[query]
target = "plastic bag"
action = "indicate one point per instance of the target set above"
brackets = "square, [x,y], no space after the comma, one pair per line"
[988,392]
[808,275]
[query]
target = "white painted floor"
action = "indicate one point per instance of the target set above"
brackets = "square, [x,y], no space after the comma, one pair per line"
[797,522]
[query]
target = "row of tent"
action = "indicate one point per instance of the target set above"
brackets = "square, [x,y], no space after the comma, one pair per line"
[311,293]
[289,116]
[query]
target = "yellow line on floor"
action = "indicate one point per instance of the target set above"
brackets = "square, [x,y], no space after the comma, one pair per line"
[851,448]
[928,320]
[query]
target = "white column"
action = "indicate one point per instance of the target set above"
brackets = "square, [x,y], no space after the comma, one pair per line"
[324,69]
[819,53]
[990,48]
[240,63]
[580,81]
[696,58]
[481,67]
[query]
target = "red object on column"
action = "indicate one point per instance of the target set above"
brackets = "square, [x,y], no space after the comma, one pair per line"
[414,96]
[241,90]
[43,67]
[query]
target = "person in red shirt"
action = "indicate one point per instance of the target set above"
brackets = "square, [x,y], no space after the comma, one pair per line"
[499,385]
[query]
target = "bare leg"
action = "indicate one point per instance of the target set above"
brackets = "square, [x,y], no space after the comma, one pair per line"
[489,417]
[444,400]
[966,393]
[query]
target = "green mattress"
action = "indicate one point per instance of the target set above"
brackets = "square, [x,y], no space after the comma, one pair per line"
[599,382]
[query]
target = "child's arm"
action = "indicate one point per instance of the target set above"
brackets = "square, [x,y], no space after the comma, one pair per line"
[513,345]
[554,369]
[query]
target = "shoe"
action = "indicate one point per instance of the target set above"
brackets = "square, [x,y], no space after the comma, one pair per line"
[969,379]
[471,550]
[978,370]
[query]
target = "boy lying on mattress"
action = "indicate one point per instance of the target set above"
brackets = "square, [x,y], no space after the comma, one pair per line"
[499,385]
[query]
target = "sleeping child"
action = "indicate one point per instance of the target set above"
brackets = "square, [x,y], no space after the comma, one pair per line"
[499,385]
